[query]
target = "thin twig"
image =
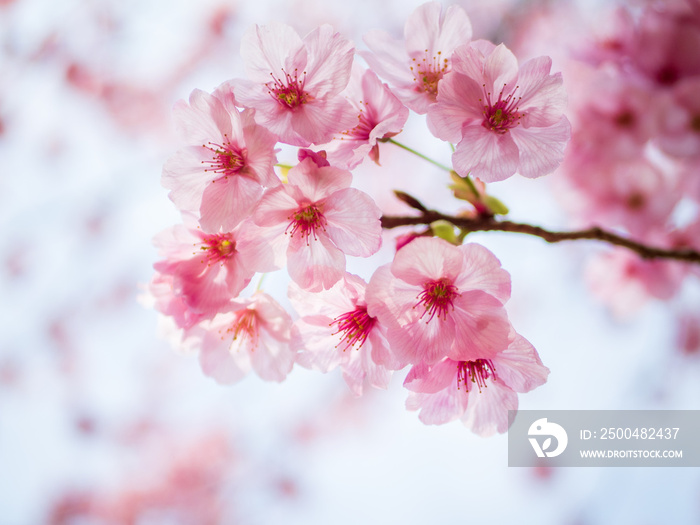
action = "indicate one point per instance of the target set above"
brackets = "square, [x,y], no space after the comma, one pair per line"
[595,233]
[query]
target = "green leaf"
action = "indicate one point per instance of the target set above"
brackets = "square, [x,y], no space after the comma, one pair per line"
[496,206]
[444,230]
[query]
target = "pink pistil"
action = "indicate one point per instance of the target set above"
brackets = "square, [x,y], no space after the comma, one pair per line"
[227,160]
[245,325]
[290,92]
[475,372]
[306,220]
[355,327]
[428,72]
[437,298]
[503,114]
[218,247]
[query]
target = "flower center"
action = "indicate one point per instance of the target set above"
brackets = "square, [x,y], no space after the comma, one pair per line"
[501,115]
[475,372]
[226,159]
[305,221]
[695,123]
[365,125]
[636,201]
[354,326]
[218,247]
[428,71]
[437,298]
[289,92]
[625,119]
[667,75]
[244,327]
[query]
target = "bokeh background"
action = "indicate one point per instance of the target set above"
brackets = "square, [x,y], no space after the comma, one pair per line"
[101,422]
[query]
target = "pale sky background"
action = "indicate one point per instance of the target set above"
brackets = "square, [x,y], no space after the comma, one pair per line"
[93,402]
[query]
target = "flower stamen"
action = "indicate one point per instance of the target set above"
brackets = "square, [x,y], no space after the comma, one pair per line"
[290,91]
[502,115]
[227,160]
[218,247]
[437,298]
[305,221]
[428,72]
[354,326]
[243,326]
[475,372]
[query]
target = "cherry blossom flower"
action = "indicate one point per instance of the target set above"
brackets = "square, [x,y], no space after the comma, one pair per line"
[439,300]
[611,39]
[632,193]
[248,333]
[209,269]
[415,66]
[380,115]
[230,158]
[294,85]
[160,295]
[336,330]
[612,117]
[625,282]
[320,219]
[680,123]
[665,46]
[504,119]
[480,391]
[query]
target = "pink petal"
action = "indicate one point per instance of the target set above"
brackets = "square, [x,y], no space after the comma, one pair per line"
[269,114]
[318,183]
[204,119]
[468,60]
[487,411]
[437,409]
[388,57]
[228,201]
[339,299]
[422,341]
[330,58]
[275,48]
[272,359]
[482,271]
[315,263]
[426,29]
[519,366]
[541,149]
[184,176]
[218,363]
[317,349]
[261,249]
[353,222]
[482,327]
[458,103]
[430,379]
[208,289]
[484,154]
[276,207]
[427,259]
[543,98]
[318,121]
[500,69]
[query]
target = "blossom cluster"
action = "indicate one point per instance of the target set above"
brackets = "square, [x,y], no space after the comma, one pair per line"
[634,155]
[439,307]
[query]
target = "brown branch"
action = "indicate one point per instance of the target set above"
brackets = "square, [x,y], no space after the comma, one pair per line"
[493,224]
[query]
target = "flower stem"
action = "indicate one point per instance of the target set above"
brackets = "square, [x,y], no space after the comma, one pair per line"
[436,163]
[259,286]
